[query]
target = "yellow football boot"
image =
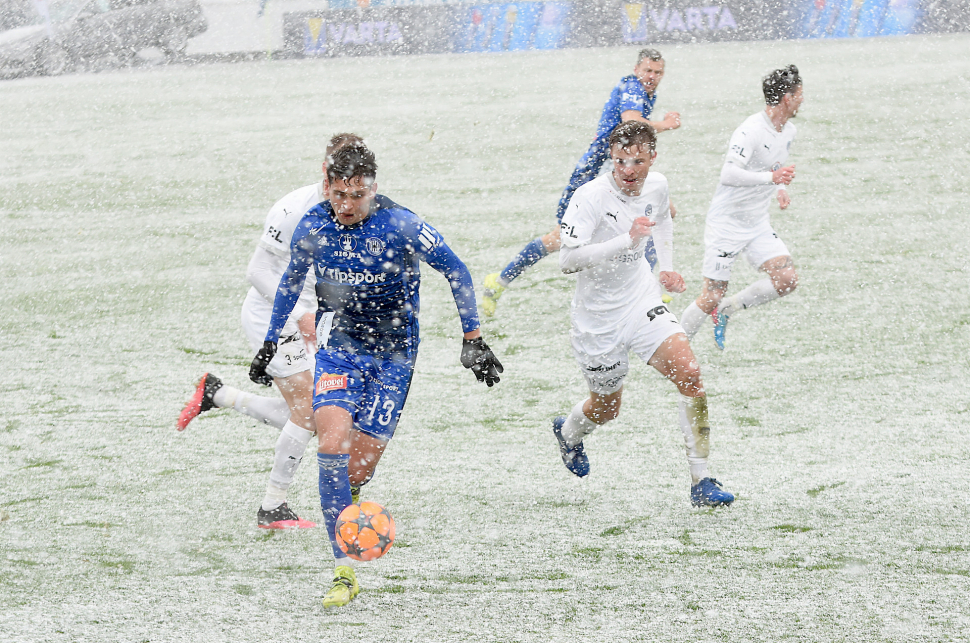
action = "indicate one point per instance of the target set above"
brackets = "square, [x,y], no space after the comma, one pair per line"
[344,587]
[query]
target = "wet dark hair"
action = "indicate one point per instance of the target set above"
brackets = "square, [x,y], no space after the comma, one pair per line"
[351,161]
[780,82]
[634,134]
[340,140]
[651,54]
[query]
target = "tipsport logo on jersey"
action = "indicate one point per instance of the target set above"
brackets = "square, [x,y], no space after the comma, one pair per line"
[646,22]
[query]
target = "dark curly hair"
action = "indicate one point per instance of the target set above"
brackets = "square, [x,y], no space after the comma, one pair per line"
[780,82]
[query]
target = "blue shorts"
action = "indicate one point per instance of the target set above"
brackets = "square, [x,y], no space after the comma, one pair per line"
[372,388]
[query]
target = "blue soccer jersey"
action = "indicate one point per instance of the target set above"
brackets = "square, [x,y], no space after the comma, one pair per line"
[368,277]
[628,95]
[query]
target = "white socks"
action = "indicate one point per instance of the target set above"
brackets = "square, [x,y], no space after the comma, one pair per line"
[692,319]
[577,426]
[269,410]
[760,292]
[289,451]
[697,433]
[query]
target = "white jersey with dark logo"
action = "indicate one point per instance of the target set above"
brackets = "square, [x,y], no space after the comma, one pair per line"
[619,287]
[283,217]
[758,148]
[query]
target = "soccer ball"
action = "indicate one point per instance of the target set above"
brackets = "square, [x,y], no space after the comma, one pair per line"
[365,531]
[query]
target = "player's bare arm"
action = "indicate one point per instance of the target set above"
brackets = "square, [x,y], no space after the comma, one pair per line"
[671,120]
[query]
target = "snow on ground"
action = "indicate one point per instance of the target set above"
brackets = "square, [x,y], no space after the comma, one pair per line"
[130,204]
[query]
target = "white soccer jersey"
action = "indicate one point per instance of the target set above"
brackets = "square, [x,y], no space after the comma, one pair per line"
[266,272]
[283,217]
[759,149]
[618,287]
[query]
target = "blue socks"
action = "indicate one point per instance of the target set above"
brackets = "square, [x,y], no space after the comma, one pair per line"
[334,493]
[529,257]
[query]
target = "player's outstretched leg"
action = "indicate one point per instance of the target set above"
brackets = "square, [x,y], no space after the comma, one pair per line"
[344,587]
[201,400]
[211,393]
[496,283]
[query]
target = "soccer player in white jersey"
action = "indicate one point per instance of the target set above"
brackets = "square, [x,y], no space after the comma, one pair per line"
[617,308]
[292,367]
[737,222]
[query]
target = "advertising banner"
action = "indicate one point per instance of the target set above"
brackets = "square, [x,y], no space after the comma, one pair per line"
[511,26]
[660,21]
[372,31]
[392,27]
[857,18]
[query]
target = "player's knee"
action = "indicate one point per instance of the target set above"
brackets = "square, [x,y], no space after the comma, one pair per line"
[687,377]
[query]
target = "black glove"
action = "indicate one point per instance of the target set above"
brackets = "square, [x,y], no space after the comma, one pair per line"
[476,355]
[257,370]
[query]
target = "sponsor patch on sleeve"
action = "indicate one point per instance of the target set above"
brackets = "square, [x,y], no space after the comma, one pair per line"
[330,382]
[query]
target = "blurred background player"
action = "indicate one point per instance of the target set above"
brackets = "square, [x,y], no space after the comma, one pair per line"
[631,100]
[617,308]
[291,368]
[365,251]
[738,220]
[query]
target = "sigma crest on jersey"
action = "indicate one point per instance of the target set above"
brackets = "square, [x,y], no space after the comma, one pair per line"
[647,211]
[347,242]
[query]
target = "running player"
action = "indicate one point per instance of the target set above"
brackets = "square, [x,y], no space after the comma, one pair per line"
[291,367]
[617,308]
[631,100]
[365,251]
[737,222]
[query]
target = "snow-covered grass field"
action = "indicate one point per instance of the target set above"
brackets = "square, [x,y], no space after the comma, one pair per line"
[131,202]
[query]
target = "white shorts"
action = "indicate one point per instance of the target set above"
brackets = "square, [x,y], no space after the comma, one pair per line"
[605,371]
[722,249]
[291,354]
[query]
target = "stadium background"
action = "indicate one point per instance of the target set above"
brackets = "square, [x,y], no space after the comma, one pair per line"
[361,27]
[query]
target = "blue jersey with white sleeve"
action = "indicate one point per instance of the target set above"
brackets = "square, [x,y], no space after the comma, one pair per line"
[368,278]
[628,95]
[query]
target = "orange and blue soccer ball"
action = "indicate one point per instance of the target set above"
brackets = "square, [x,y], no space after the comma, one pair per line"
[365,531]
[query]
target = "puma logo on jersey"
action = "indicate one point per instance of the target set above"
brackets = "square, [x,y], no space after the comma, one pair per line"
[610,214]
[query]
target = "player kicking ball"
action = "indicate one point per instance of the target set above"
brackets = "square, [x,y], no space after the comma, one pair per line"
[737,221]
[617,308]
[364,250]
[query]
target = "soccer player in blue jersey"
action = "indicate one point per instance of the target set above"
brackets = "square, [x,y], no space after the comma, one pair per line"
[631,100]
[365,251]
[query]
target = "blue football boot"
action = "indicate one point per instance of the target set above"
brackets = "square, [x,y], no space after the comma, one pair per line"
[709,493]
[720,325]
[574,458]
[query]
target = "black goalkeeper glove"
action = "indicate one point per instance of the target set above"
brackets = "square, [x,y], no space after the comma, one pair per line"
[476,355]
[257,370]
